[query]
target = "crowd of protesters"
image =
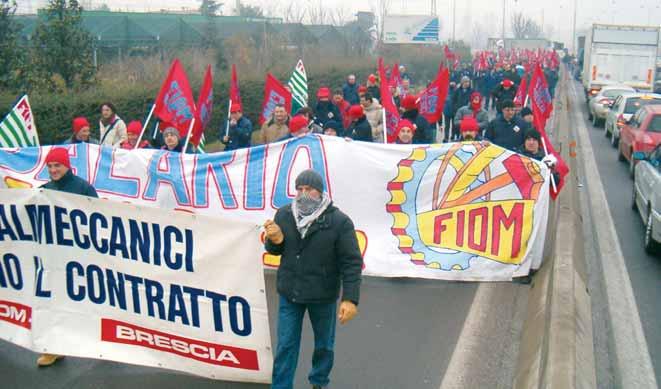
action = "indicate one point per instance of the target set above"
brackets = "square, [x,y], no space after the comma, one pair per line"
[312,233]
[354,111]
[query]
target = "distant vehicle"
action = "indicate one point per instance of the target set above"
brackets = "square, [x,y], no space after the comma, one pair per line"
[647,197]
[599,105]
[641,134]
[620,55]
[623,109]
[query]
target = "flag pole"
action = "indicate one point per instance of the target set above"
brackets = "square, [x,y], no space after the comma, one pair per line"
[190,131]
[546,152]
[229,112]
[385,126]
[153,136]
[144,126]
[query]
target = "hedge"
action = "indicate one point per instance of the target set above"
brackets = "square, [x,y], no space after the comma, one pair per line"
[54,112]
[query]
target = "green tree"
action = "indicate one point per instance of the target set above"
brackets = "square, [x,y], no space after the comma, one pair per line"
[11,54]
[209,8]
[249,11]
[62,46]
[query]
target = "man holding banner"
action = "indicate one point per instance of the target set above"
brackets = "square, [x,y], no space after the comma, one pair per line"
[319,250]
[62,179]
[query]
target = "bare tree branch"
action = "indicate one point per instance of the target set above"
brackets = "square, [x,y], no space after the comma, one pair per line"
[524,27]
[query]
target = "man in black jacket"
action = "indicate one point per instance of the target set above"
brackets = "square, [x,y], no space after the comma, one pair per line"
[360,128]
[507,130]
[63,180]
[319,252]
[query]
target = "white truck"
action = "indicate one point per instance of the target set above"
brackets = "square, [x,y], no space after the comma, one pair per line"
[617,54]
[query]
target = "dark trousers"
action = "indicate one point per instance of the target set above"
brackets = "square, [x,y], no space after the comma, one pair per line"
[290,321]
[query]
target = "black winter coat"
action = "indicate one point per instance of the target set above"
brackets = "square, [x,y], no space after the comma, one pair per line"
[460,98]
[507,134]
[325,112]
[71,183]
[311,269]
[360,130]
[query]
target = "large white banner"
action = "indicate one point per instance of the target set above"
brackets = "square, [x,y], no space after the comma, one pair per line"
[411,29]
[93,278]
[458,211]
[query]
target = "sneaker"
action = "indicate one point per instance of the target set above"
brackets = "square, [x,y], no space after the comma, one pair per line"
[48,359]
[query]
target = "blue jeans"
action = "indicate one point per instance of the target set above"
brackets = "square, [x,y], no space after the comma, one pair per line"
[290,320]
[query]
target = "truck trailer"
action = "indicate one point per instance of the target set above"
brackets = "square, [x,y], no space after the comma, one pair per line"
[617,54]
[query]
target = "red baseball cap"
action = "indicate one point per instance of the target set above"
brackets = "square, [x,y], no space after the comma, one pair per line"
[507,83]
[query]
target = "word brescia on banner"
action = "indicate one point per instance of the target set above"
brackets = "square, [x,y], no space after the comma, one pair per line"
[458,211]
[92,278]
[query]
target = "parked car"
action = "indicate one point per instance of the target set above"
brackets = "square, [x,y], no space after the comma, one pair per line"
[623,109]
[641,134]
[647,196]
[599,105]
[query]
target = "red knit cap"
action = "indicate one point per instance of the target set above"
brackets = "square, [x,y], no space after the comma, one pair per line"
[405,123]
[297,122]
[323,93]
[59,155]
[469,124]
[356,111]
[79,123]
[362,89]
[507,83]
[371,78]
[409,102]
[236,107]
[135,127]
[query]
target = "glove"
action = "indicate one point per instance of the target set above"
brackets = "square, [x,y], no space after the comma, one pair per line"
[550,160]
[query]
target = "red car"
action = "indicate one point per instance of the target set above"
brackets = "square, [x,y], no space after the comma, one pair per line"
[641,134]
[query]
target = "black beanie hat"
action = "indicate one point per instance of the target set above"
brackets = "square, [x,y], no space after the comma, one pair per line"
[533,134]
[334,125]
[526,111]
[507,104]
[311,178]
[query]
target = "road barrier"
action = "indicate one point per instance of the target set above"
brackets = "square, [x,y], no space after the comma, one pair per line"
[556,348]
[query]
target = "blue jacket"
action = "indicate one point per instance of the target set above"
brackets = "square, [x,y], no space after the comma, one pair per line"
[350,93]
[239,135]
[507,134]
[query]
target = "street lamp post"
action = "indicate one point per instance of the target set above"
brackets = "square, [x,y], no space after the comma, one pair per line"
[503,28]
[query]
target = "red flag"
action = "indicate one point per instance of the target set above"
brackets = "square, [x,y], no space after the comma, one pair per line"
[235,94]
[392,113]
[542,106]
[449,55]
[395,77]
[204,108]
[521,93]
[174,103]
[432,99]
[274,94]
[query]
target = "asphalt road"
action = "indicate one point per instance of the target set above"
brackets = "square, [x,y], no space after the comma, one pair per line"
[644,270]
[404,337]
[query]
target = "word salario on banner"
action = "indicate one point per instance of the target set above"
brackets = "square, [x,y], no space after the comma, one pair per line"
[159,283]
[458,211]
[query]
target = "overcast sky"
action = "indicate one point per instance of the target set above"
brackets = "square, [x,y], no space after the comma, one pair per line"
[485,16]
